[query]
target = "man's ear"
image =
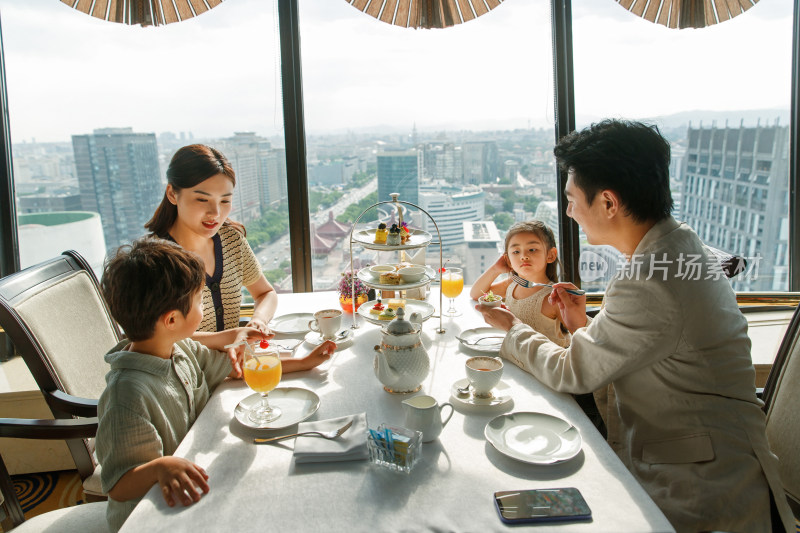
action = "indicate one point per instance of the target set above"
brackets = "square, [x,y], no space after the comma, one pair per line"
[610,202]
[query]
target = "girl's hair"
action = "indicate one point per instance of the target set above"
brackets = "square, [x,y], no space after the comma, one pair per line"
[543,231]
[189,167]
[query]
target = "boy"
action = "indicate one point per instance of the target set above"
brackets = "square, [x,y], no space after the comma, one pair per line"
[160,379]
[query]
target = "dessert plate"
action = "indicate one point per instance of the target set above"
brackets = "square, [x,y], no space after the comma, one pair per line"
[412,306]
[291,324]
[374,281]
[500,394]
[535,438]
[366,238]
[486,340]
[296,405]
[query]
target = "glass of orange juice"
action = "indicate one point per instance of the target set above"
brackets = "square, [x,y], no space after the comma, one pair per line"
[262,373]
[452,285]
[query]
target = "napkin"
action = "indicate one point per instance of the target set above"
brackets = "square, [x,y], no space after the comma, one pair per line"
[352,446]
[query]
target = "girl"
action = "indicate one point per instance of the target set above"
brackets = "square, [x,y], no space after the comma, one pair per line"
[531,254]
[194,214]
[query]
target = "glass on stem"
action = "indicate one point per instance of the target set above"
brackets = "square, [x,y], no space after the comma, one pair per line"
[262,373]
[452,285]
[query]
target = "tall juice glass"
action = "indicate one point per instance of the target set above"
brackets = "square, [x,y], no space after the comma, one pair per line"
[452,285]
[262,373]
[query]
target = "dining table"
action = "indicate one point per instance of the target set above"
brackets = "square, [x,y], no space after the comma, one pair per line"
[450,488]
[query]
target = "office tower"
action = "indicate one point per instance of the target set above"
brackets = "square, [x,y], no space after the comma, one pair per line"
[441,161]
[398,172]
[246,153]
[479,162]
[735,196]
[450,206]
[118,176]
[482,246]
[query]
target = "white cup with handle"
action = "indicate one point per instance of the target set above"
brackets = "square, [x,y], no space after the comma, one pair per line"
[484,374]
[326,322]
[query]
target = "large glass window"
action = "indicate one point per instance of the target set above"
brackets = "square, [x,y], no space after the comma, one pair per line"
[721,95]
[459,121]
[97,110]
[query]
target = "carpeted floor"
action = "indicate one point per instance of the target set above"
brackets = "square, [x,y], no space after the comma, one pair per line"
[48,491]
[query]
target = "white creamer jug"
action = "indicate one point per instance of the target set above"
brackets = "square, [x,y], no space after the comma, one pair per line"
[425,415]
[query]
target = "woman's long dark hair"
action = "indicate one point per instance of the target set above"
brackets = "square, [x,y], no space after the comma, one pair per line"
[190,166]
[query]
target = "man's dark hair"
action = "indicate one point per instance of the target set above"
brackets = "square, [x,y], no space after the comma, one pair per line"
[629,158]
[148,278]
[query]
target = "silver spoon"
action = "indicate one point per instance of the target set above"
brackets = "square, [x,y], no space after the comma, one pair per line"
[464,391]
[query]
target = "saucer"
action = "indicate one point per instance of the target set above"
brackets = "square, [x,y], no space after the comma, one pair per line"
[500,394]
[315,339]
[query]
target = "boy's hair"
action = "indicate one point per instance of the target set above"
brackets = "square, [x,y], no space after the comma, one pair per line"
[629,158]
[148,278]
[543,231]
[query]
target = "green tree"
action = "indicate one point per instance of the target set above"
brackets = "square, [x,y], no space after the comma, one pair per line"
[353,210]
[275,275]
[503,221]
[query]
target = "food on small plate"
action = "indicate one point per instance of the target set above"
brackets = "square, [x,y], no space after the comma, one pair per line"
[405,233]
[490,299]
[396,303]
[393,239]
[390,278]
[381,233]
[377,308]
[387,314]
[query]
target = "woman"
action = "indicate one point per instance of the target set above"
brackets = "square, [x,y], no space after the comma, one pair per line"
[194,214]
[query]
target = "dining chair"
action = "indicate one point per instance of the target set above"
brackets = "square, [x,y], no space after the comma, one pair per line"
[56,317]
[89,517]
[782,405]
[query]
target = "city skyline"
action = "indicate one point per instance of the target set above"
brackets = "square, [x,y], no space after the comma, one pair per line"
[164,79]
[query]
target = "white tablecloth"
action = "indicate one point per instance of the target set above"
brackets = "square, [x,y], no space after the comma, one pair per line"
[259,487]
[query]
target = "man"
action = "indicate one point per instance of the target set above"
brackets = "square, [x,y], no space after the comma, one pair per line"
[670,338]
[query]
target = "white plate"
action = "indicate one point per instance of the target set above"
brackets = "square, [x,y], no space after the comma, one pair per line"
[365,276]
[412,306]
[486,340]
[500,394]
[366,238]
[296,405]
[535,438]
[291,324]
[315,339]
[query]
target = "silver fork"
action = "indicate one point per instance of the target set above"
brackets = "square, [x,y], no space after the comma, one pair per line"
[324,434]
[525,283]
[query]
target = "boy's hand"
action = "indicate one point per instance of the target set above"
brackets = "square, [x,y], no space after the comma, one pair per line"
[571,307]
[180,480]
[316,357]
[236,353]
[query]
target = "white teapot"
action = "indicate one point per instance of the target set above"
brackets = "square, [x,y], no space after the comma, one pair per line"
[401,363]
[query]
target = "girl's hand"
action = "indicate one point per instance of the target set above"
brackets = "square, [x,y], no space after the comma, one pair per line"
[501,265]
[181,480]
[571,307]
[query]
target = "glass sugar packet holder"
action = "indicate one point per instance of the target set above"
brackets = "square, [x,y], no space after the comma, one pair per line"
[395,448]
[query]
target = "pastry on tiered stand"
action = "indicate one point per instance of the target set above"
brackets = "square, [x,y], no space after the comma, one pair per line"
[405,234]
[377,309]
[381,233]
[387,314]
[393,239]
[390,278]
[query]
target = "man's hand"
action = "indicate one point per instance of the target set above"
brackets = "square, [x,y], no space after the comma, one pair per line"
[571,307]
[498,317]
[181,480]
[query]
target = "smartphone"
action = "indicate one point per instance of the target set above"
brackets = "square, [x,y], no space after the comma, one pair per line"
[541,505]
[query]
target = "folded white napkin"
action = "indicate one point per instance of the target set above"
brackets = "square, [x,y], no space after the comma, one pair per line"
[352,446]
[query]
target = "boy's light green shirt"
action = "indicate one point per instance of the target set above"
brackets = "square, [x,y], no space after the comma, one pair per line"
[148,407]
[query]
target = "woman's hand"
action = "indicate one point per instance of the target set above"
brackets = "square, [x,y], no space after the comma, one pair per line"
[571,307]
[260,325]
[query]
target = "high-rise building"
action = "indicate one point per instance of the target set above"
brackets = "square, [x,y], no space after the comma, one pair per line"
[450,206]
[118,176]
[735,195]
[441,161]
[482,246]
[398,172]
[247,153]
[479,162]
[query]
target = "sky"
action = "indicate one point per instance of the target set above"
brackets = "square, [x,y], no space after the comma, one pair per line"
[218,73]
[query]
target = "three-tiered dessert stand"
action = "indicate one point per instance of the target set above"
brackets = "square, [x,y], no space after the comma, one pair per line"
[417,239]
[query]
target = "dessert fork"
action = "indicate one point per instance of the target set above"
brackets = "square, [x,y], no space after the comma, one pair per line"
[324,434]
[525,283]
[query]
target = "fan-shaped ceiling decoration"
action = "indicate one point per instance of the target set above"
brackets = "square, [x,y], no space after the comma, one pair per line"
[425,13]
[144,12]
[687,13]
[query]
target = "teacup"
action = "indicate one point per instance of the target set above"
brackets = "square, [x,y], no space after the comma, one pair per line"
[326,322]
[484,374]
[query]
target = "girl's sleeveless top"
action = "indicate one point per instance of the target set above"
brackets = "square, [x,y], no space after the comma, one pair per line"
[529,310]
